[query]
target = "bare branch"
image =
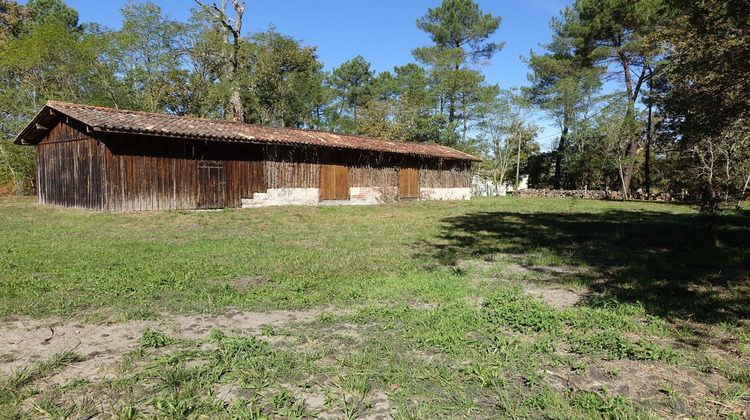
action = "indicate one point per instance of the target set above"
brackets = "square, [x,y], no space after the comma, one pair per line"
[232,27]
[239,8]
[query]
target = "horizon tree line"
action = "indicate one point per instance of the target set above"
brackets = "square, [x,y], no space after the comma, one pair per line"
[676,121]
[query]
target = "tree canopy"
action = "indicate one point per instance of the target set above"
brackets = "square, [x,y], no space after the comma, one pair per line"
[675,118]
[460,24]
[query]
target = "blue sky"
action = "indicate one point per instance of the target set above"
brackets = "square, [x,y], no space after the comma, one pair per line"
[383,32]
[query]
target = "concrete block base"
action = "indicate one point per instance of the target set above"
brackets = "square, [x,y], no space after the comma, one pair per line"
[445,193]
[357,196]
[283,197]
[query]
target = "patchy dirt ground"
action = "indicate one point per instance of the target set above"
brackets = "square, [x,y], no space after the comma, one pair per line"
[558,297]
[652,384]
[551,293]
[23,341]
[103,346]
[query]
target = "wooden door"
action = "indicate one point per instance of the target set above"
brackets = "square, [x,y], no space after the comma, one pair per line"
[210,188]
[408,183]
[334,182]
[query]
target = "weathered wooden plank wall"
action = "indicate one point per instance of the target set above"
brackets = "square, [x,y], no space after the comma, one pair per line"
[131,172]
[370,170]
[362,176]
[367,169]
[287,167]
[69,169]
[147,173]
[334,182]
[408,183]
[449,174]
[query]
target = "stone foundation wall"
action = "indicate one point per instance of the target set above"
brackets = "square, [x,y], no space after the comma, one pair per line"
[357,196]
[283,197]
[445,193]
[372,195]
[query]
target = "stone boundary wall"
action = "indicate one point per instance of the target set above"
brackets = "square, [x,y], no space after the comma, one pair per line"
[593,194]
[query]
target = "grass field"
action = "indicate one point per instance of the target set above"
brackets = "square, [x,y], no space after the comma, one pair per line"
[492,308]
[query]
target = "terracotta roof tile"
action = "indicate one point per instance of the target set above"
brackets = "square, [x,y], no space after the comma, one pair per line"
[122,121]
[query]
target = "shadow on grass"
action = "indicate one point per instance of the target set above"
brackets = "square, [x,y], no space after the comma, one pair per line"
[658,259]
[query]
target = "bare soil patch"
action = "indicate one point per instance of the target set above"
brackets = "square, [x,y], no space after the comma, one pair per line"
[649,384]
[558,297]
[243,283]
[24,341]
[104,346]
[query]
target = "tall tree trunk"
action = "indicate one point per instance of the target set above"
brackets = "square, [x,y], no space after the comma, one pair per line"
[632,151]
[238,111]
[518,164]
[629,119]
[647,163]
[627,174]
[233,28]
[561,153]
[452,108]
[744,190]
[466,125]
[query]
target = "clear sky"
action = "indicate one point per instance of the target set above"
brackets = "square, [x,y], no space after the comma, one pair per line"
[383,31]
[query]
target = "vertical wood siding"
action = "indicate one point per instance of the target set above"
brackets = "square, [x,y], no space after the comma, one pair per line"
[408,183]
[363,176]
[132,172]
[334,182]
[69,169]
[448,174]
[148,173]
[210,179]
[288,167]
[373,169]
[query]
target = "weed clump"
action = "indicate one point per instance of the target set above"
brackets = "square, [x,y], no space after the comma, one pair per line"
[615,347]
[154,339]
[593,403]
[512,308]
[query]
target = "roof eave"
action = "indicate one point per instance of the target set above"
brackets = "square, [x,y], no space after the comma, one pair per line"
[52,111]
[261,141]
[30,135]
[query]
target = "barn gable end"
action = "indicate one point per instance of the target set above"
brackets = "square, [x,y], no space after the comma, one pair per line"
[105,159]
[70,170]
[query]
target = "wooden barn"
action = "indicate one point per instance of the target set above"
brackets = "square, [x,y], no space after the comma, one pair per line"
[115,160]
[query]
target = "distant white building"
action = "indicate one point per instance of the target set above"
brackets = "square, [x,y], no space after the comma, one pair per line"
[485,187]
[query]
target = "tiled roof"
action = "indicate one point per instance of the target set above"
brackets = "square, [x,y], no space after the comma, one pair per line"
[109,120]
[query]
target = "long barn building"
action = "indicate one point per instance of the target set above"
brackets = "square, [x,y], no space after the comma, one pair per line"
[115,160]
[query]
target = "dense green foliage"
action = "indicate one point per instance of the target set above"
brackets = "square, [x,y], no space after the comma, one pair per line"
[208,68]
[704,94]
[565,85]
[686,61]
[674,121]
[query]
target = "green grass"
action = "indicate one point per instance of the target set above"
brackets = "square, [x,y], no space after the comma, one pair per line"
[435,295]
[15,389]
